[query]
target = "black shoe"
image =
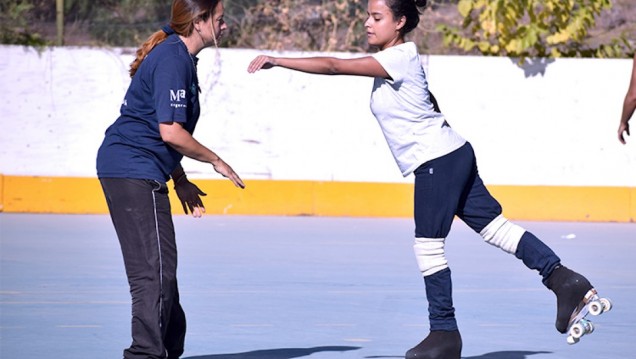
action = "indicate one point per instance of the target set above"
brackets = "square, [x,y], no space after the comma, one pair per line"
[570,288]
[438,345]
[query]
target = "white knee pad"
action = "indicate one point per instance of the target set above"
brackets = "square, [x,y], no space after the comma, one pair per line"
[503,234]
[429,253]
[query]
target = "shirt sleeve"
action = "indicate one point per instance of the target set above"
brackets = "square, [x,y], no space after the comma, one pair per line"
[394,60]
[172,90]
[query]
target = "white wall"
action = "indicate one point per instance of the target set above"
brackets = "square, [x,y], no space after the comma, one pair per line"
[555,128]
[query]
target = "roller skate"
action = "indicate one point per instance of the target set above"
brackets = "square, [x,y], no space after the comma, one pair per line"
[438,345]
[576,298]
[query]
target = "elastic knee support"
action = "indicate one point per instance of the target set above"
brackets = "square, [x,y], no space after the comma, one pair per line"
[503,234]
[429,253]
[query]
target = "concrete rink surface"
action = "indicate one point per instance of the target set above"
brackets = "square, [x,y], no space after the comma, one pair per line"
[304,287]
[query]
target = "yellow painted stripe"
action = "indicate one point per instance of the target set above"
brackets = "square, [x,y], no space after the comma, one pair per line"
[25,194]
[1,192]
[546,203]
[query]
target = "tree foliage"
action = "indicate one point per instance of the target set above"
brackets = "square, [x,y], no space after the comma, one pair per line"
[14,27]
[318,25]
[531,28]
[125,22]
[516,28]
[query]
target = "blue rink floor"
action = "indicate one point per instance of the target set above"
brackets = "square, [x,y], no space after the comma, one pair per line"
[304,287]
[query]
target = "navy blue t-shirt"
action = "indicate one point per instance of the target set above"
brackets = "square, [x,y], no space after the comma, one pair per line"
[165,88]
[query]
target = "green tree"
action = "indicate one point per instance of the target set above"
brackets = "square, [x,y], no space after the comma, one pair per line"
[14,24]
[531,28]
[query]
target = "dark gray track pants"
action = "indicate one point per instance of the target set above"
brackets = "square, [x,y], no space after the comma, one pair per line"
[140,211]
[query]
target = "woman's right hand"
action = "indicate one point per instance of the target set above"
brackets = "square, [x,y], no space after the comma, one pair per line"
[226,171]
[261,62]
[190,196]
[623,130]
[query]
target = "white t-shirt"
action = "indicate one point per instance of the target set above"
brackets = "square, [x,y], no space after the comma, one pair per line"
[414,132]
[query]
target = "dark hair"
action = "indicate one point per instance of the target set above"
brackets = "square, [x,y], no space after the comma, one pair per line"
[408,9]
[184,14]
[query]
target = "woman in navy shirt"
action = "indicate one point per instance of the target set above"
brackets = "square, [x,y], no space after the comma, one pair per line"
[141,151]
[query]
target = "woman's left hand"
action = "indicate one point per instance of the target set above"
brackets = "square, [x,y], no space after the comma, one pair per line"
[226,171]
[190,196]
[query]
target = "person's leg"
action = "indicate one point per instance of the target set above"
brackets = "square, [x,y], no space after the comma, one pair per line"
[174,338]
[134,212]
[438,187]
[481,211]
[173,321]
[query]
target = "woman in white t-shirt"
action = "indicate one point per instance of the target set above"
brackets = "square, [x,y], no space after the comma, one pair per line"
[446,179]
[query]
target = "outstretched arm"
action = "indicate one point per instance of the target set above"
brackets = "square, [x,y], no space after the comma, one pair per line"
[181,140]
[629,105]
[363,66]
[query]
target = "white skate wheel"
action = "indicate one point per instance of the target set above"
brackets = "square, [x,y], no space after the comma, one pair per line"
[571,340]
[607,304]
[595,307]
[577,331]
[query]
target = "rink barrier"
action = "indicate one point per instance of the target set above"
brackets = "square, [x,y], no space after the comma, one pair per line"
[75,195]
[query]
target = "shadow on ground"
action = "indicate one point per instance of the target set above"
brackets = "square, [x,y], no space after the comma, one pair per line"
[495,355]
[283,353]
[507,355]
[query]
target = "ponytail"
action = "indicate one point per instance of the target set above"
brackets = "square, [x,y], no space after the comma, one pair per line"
[145,48]
[408,9]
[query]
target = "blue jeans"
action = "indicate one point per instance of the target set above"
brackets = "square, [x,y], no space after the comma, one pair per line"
[450,186]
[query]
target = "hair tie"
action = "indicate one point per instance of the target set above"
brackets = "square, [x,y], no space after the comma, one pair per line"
[167,29]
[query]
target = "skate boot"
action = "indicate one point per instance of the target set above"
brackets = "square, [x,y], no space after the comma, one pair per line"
[438,344]
[570,289]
